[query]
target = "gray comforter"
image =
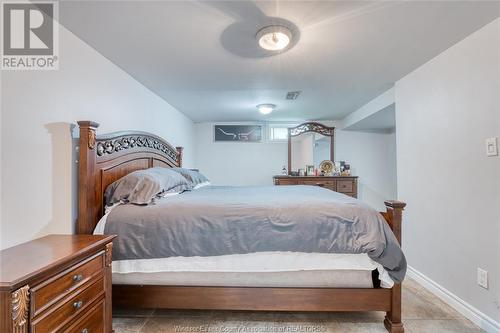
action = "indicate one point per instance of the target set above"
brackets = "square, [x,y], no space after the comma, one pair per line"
[214,220]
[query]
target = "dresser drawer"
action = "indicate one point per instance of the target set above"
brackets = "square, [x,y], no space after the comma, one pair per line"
[322,183]
[70,309]
[91,322]
[51,291]
[286,182]
[344,186]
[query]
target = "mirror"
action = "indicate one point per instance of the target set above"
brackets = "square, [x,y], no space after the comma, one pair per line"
[308,145]
[309,149]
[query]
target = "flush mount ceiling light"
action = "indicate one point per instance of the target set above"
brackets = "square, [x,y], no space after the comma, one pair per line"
[274,37]
[266,108]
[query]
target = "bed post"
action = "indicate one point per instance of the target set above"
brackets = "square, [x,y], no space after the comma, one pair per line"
[393,318]
[179,156]
[86,165]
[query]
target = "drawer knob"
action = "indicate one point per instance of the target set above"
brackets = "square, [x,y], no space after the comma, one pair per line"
[78,305]
[85,330]
[77,278]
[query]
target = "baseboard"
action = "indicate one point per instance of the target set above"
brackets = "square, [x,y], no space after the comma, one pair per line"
[477,317]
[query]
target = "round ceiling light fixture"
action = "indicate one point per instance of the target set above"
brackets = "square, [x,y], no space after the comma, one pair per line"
[266,108]
[274,37]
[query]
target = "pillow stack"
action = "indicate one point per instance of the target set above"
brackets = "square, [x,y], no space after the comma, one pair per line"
[143,186]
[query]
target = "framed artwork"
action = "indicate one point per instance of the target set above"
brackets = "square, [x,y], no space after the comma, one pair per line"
[238,133]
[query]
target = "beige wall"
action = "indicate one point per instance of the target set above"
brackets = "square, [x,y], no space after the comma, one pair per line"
[39,109]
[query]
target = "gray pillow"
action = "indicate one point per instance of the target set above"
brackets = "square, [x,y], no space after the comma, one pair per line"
[142,186]
[193,176]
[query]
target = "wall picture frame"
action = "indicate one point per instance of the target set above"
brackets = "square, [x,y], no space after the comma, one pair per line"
[309,170]
[238,133]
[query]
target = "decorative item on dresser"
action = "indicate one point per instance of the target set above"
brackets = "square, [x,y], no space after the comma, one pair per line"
[343,184]
[57,283]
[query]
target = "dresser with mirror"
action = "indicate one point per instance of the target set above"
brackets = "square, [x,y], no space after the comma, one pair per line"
[309,145]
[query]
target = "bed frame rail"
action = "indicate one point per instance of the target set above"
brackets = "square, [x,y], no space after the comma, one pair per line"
[255,299]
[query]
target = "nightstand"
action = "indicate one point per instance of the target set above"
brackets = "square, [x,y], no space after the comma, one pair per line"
[57,283]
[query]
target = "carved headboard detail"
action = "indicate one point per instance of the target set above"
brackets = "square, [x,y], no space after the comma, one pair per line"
[106,158]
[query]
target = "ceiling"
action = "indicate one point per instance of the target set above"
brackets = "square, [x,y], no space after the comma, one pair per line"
[202,59]
[382,121]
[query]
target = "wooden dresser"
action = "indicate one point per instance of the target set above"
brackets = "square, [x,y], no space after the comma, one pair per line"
[58,283]
[343,184]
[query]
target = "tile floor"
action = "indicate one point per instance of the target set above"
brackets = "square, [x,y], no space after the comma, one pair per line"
[422,313]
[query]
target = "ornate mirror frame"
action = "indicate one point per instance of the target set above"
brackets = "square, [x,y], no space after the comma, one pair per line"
[310,127]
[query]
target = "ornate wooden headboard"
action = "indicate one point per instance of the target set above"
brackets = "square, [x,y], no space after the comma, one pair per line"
[106,158]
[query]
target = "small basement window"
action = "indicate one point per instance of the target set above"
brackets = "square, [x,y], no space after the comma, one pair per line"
[279,132]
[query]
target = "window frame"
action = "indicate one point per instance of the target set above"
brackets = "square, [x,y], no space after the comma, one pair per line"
[271,126]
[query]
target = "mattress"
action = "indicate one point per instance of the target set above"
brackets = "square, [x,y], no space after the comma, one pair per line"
[292,279]
[261,269]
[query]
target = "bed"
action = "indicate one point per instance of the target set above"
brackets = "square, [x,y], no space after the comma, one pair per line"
[296,276]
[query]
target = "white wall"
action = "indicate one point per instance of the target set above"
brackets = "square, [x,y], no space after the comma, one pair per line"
[38,110]
[444,112]
[369,109]
[1,159]
[372,156]
[237,163]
